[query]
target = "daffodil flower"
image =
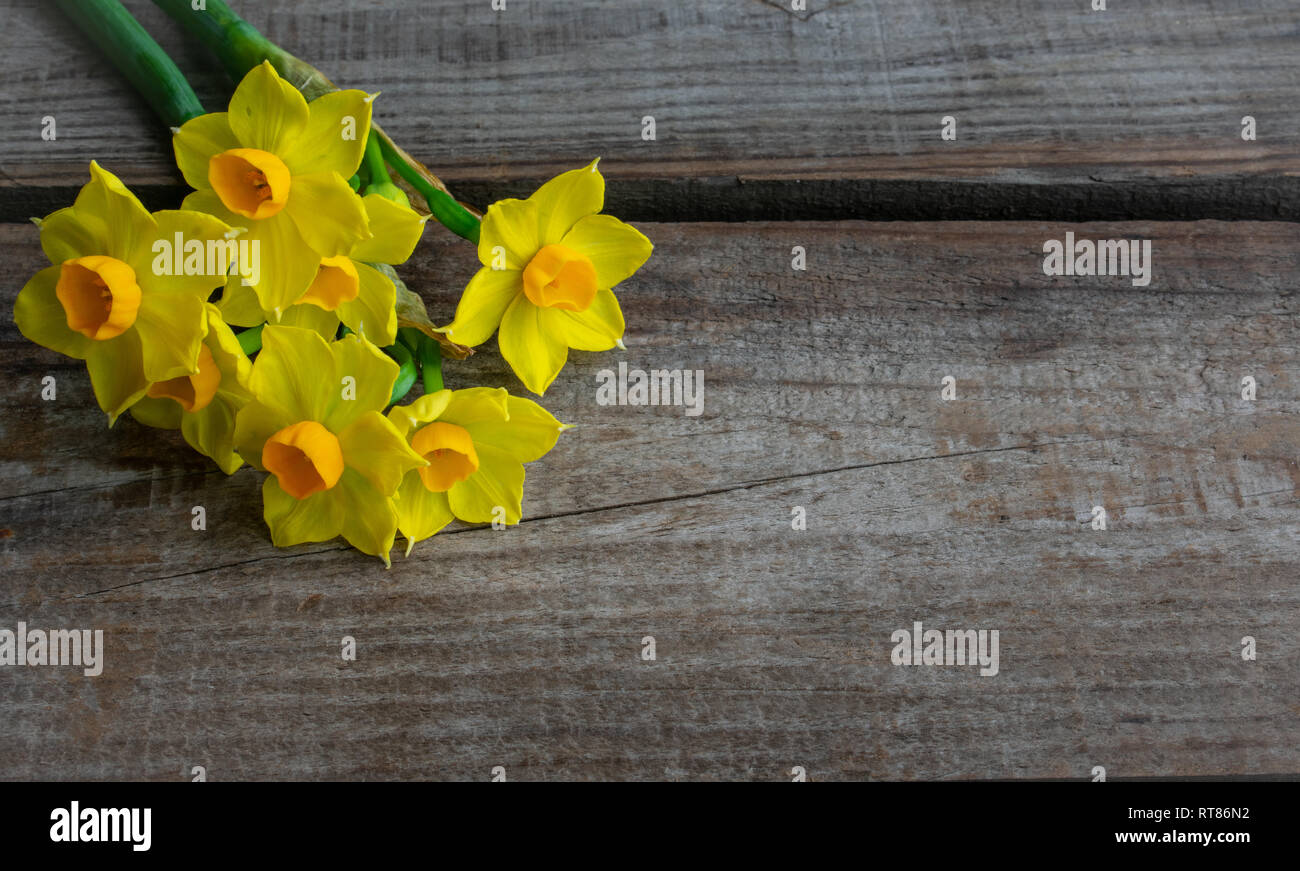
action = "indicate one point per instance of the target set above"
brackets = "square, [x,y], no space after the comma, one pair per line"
[475,442]
[346,289]
[278,166]
[316,425]
[102,300]
[549,263]
[203,406]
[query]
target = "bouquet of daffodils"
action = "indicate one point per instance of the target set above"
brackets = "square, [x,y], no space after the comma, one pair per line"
[264,318]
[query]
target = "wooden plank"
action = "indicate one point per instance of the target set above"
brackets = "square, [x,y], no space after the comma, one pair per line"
[1057,106]
[521,648]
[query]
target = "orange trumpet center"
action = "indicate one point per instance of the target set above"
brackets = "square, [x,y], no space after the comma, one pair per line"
[304,457]
[193,392]
[450,452]
[336,282]
[560,277]
[100,296]
[250,182]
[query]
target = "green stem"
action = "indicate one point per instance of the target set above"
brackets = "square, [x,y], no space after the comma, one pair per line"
[373,161]
[137,57]
[405,371]
[410,338]
[445,209]
[240,47]
[427,353]
[250,340]
[236,43]
[430,364]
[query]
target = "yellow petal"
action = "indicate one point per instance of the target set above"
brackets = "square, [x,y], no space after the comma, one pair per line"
[566,199]
[41,317]
[198,140]
[266,112]
[396,230]
[536,355]
[420,512]
[171,328]
[288,263]
[406,418]
[597,328]
[68,234]
[616,249]
[322,146]
[309,317]
[209,203]
[296,521]
[116,370]
[295,373]
[499,482]
[475,405]
[529,434]
[483,305]
[106,198]
[239,304]
[231,360]
[191,392]
[373,447]
[508,236]
[192,226]
[211,432]
[254,424]
[369,519]
[372,372]
[157,413]
[372,314]
[329,215]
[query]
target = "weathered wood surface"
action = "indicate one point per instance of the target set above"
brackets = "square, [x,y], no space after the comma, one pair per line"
[1063,113]
[521,648]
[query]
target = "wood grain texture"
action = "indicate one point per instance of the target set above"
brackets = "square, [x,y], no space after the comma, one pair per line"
[521,648]
[1058,107]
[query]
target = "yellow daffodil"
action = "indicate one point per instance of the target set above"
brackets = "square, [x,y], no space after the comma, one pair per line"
[203,406]
[316,425]
[549,263]
[278,166]
[346,289]
[475,442]
[108,299]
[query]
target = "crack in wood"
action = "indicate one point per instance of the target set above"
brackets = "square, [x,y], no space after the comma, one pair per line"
[730,199]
